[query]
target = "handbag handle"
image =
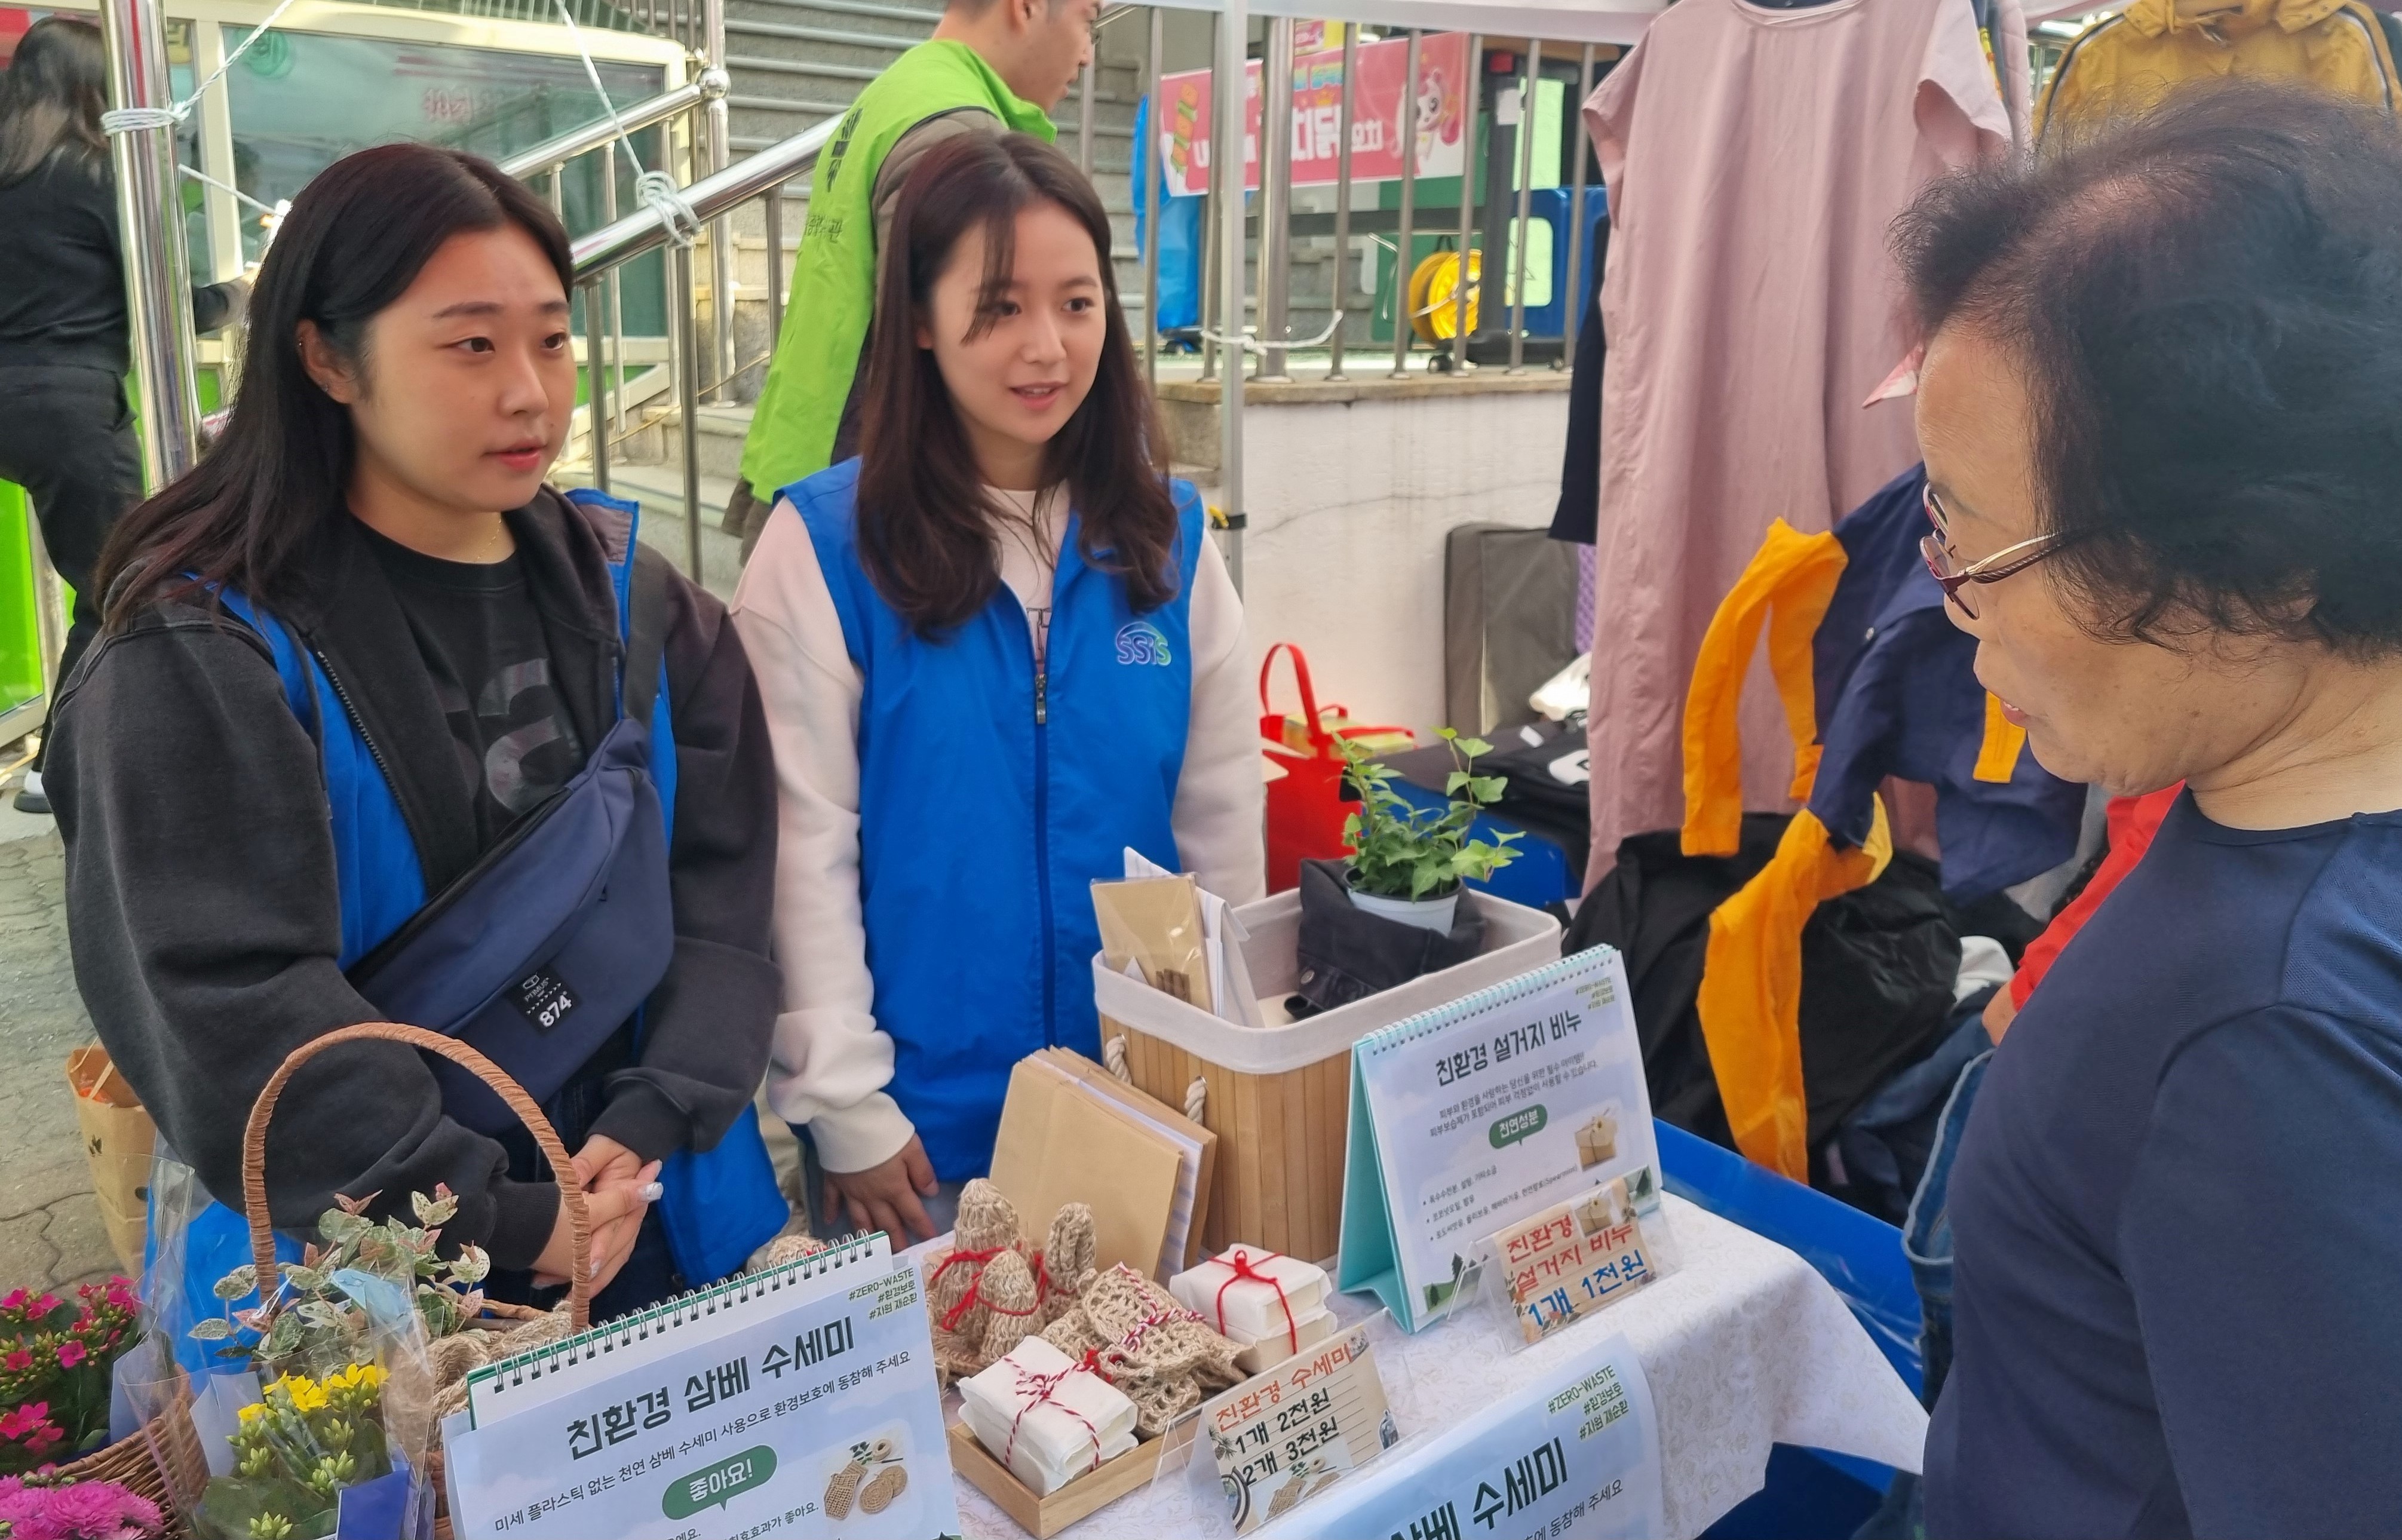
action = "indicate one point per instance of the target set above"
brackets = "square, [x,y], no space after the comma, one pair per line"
[571,1187]
[1321,742]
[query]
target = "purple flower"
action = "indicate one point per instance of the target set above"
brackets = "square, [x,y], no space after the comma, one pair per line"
[86,1510]
[101,1510]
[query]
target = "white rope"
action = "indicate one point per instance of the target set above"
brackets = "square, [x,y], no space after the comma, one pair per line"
[1249,343]
[197,175]
[136,119]
[656,190]
[1114,1059]
[1196,1099]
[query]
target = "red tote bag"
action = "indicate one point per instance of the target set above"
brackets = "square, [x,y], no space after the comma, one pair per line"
[1306,805]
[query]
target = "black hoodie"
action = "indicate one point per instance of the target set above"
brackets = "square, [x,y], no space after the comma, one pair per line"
[205,920]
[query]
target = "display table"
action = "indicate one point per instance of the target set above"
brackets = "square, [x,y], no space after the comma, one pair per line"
[1744,1346]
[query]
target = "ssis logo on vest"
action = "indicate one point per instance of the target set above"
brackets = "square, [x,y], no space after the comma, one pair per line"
[1140,641]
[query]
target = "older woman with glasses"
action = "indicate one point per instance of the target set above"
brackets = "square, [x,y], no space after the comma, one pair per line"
[2162,409]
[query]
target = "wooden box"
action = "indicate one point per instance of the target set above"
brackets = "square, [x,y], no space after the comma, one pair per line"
[1044,1517]
[1279,1098]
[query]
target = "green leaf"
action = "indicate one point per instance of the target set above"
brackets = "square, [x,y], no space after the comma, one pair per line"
[215,1329]
[1453,782]
[472,1266]
[1472,747]
[240,1281]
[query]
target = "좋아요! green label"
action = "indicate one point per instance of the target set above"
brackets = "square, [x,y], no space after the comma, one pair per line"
[1524,1123]
[721,1483]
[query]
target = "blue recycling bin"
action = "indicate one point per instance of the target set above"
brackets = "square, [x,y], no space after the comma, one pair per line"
[1550,206]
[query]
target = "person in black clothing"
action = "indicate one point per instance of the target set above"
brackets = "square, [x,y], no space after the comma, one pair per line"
[378,493]
[67,436]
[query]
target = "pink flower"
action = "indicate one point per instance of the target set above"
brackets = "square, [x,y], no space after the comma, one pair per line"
[46,1304]
[71,1352]
[25,1420]
[18,1361]
[86,1510]
[16,1301]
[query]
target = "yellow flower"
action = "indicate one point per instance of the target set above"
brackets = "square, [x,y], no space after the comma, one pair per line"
[357,1377]
[253,1412]
[306,1394]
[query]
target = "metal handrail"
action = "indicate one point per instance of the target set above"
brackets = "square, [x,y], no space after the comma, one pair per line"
[654,226]
[709,86]
[647,230]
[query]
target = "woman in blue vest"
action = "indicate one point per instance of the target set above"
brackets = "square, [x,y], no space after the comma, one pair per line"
[344,660]
[997,650]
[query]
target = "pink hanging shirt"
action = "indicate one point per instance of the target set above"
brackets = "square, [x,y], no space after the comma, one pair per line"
[1755,159]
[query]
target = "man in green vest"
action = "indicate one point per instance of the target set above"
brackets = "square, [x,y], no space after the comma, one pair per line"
[991,66]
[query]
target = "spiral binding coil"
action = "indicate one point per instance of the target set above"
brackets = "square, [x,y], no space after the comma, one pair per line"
[669,1315]
[1524,986]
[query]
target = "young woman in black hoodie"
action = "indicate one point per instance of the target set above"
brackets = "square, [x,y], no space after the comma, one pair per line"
[378,492]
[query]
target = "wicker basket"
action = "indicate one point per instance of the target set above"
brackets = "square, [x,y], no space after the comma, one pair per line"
[554,1149]
[155,1463]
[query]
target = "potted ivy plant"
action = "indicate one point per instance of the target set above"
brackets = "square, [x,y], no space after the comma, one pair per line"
[1390,912]
[1407,862]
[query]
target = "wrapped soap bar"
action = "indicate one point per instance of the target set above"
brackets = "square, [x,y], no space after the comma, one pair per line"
[1045,1416]
[1277,1346]
[1251,1293]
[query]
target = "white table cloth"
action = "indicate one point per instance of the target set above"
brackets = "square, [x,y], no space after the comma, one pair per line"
[1744,1346]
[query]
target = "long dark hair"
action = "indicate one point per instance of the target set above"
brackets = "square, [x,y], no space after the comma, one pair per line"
[51,96]
[354,240]
[924,520]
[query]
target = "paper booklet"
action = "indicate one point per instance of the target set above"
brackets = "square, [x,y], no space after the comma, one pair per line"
[1066,1137]
[1196,1146]
[1223,937]
[1479,1114]
[801,1399]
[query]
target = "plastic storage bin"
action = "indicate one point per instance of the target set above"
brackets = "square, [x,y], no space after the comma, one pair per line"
[1279,1098]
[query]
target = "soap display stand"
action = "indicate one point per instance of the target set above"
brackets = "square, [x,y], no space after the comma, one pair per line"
[1044,1517]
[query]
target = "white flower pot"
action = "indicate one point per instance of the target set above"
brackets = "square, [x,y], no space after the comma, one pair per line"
[1426,913]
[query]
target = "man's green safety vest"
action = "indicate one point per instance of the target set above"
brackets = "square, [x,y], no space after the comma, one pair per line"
[834,278]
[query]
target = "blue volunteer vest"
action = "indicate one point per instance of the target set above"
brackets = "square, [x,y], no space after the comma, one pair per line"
[719,1206]
[983,827]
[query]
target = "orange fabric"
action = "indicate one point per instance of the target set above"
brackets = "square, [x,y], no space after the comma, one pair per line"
[2133,822]
[1786,588]
[1751,987]
[1750,1000]
[1997,757]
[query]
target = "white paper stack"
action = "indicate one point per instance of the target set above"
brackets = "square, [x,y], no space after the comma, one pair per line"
[1046,1417]
[1240,1300]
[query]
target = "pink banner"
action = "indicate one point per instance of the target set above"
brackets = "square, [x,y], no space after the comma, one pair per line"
[1185,125]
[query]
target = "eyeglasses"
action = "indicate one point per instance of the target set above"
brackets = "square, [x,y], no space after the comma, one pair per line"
[1955,578]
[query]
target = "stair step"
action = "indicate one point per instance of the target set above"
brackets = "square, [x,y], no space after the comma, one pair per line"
[659,489]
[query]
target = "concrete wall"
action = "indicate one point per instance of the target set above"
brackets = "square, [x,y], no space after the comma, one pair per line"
[1349,501]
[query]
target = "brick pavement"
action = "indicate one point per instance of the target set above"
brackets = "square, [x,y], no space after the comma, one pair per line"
[50,1231]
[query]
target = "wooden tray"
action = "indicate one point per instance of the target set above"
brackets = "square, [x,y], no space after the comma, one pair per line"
[1044,1517]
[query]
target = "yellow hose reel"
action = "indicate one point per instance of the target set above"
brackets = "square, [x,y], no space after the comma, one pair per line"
[1434,288]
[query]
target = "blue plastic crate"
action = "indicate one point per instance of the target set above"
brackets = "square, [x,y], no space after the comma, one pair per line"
[1810,1494]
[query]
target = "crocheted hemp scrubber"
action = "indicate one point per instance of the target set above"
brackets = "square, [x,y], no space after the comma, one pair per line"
[1012,1305]
[1067,1260]
[1161,1355]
